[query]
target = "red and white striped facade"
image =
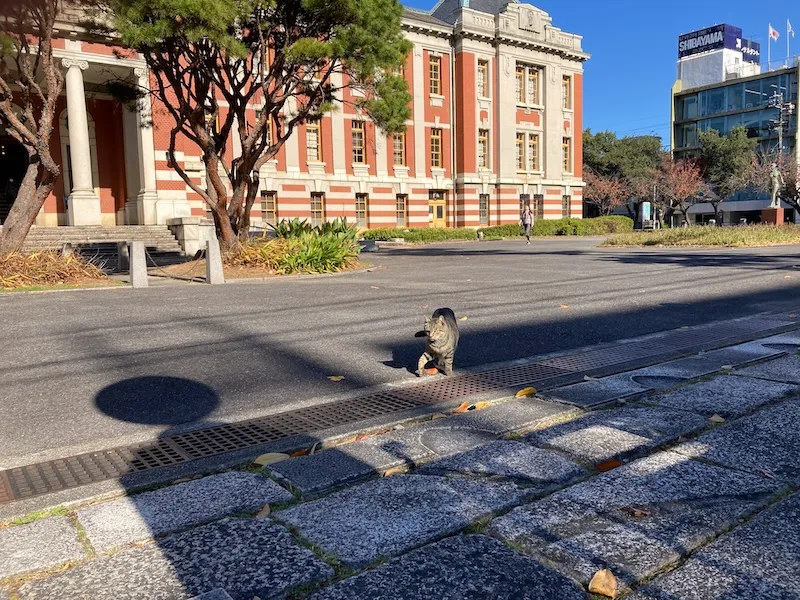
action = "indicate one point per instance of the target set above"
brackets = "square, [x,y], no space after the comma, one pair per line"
[502,124]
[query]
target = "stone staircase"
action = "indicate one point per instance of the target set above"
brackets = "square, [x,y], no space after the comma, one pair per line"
[100,243]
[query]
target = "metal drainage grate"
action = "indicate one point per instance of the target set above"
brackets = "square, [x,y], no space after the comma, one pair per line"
[43,478]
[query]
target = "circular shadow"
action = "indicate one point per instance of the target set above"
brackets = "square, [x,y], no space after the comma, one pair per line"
[157,400]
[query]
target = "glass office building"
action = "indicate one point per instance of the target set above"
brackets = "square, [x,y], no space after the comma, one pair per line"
[726,105]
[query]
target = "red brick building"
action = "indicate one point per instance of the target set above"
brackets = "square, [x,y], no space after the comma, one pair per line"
[497,120]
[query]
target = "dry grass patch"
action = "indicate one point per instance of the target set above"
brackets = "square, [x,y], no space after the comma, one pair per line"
[731,237]
[48,268]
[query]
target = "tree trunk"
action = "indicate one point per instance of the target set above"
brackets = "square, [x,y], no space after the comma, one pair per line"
[27,205]
[225,233]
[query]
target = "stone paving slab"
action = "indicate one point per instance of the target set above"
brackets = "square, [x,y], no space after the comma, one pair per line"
[176,507]
[593,524]
[765,442]
[593,393]
[39,545]
[710,362]
[353,462]
[503,459]
[461,567]
[395,514]
[250,557]
[785,369]
[617,433]
[758,561]
[724,395]
[350,463]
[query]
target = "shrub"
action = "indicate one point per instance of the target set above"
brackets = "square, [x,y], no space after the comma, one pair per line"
[502,231]
[293,228]
[46,268]
[309,252]
[421,234]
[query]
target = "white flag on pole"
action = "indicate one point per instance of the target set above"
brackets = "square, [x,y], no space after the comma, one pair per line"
[773,33]
[789,30]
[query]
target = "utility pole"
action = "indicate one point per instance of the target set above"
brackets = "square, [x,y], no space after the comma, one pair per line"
[784,110]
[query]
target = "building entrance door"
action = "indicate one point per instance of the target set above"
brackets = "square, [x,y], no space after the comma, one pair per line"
[13,164]
[437,209]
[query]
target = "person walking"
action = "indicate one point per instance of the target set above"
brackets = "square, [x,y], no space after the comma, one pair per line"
[527,220]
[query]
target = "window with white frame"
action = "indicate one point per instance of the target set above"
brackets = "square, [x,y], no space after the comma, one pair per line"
[566,146]
[269,208]
[436,147]
[313,145]
[357,129]
[362,201]
[565,202]
[317,208]
[528,155]
[435,72]
[538,205]
[483,149]
[527,83]
[399,149]
[483,78]
[401,210]
[483,209]
[566,91]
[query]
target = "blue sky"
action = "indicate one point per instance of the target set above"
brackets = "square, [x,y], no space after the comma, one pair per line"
[634,48]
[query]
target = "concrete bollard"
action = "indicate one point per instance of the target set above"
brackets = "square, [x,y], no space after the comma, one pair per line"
[138,265]
[123,257]
[214,273]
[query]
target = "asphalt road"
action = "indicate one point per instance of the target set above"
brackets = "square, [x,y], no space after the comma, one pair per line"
[91,369]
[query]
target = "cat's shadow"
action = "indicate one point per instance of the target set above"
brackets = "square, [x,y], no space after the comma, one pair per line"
[407,357]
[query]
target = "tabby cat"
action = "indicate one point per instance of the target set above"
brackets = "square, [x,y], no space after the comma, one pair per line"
[441,329]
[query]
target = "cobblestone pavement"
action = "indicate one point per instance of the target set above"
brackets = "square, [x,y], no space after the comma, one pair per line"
[682,480]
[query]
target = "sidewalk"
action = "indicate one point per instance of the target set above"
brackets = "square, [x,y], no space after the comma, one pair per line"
[680,478]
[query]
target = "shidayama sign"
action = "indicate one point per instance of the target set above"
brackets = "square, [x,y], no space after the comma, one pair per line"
[710,38]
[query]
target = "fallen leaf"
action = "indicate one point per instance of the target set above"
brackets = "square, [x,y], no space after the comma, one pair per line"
[438,416]
[587,378]
[393,471]
[604,583]
[462,408]
[717,419]
[527,392]
[269,458]
[431,371]
[767,474]
[362,436]
[634,511]
[564,306]
[374,287]
[264,512]
[335,377]
[313,448]
[303,452]
[607,465]
[464,318]
[480,405]
[787,276]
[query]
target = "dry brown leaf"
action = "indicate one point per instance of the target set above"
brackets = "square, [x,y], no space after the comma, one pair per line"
[363,436]
[335,377]
[767,474]
[717,419]
[264,512]
[607,465]
[303,452]
[393,471]
[637,512]
[564,306]
[787,276]
[480,405]
[604,583]
[527,392]
[462,408]
[269,458]
[438,416]
[374,287]
[464,318]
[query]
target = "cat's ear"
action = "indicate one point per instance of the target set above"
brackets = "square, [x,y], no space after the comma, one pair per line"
[427,320]
[441,320]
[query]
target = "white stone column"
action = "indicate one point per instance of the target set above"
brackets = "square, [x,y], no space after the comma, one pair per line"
[147,196]
[83,204]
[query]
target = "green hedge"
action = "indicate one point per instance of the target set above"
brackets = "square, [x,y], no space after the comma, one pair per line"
[542,227]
